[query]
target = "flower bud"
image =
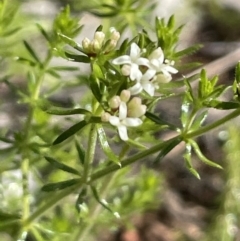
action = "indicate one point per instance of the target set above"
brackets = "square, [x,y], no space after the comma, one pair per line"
[85,44]
[126,70]
[111,45]
[99,36]
[105,117]
[135,107]
[161,78]
[114,102]
[125,95]
[115,35]
[95,46]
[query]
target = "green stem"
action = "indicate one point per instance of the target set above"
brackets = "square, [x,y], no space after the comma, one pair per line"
[214,125]
[81,234]
[90,151]
[51,202]
[109,169]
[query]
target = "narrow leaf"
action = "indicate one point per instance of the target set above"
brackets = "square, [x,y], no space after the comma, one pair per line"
[31,51]
[202,157]
[199,120]
[64,111]
[70,132]
[188,162]
[81,152]
[44,33]
[78,58]
[103,203]
[221,105]
[158,120]
[59,185]
[65,68]
[166,149]
[105,146]
[61,166]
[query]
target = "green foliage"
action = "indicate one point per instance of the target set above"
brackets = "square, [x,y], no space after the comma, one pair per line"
[84,151]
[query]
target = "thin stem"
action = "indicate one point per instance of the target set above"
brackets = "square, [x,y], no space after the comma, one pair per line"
[213,125]
[114,167]
[81,234]
[51,202]
[90,151]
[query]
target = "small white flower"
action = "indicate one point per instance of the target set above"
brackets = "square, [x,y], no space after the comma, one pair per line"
[122,121]
[156,59]
[145,83]
[133,60]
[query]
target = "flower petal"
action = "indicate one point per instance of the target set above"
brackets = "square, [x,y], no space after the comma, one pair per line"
[148,75]
[122,110]
[135,73]
[149,88]
[132,121]
[142,61]
[134,51]
[114,120]
[122,131]
[125,59]
[135,89]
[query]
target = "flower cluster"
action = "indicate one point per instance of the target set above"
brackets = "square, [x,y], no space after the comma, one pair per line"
[100,43]
[126,112]
[156,69]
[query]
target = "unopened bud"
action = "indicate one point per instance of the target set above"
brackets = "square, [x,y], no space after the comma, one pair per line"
[115,35]
[95,46]
[126,70]
[105,117]
[114,102]
[85,44]
[135,107]
[99,36]
[111,45]
[125,95]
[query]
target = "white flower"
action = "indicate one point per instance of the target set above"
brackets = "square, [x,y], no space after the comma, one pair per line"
[122,121]
[133,60]
[156,59]
[145,83]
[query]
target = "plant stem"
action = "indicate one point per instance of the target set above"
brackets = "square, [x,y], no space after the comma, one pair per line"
[114,167]
[51,202]
[213,125]
[90,151]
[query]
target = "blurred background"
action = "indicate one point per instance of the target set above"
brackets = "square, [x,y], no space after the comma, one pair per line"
[181,208]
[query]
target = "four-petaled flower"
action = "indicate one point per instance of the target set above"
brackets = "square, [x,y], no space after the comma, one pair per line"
[132,62]
[122,121]
[164,69]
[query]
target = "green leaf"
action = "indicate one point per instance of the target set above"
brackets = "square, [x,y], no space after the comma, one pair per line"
[221,105]
[65,68]
[64,111]
[70,41]
[105,146]
[78,58]
[24,60]
[188,51]
[102,202]
[43,32]
[202,157]
[185,110]
[70,132]
[82,198]
[60,185]
[31,51]
[61,166]
[166,149]
[81,152]
[136,144]
[188,162]
[199,120]
[158,120]
[93,83]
